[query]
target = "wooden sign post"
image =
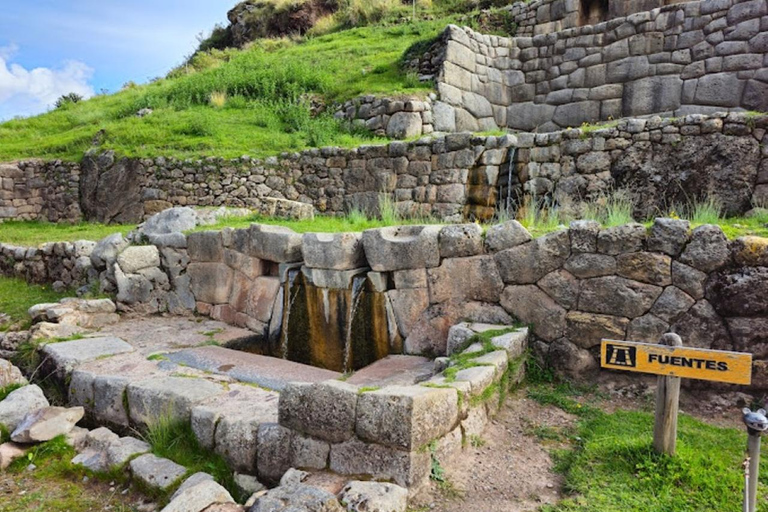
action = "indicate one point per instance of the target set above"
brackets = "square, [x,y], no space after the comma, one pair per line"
[671,361]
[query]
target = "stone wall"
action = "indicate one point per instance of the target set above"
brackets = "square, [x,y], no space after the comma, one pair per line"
[62,264]
[696,57]
[37,190]
[396,118]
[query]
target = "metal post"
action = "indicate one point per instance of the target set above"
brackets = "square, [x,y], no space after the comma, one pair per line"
[667,405]
[756,423]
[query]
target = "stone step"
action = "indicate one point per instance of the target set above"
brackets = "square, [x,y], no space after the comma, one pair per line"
[394,370]
[267,372]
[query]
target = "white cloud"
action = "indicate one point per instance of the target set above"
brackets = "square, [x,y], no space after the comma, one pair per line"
[32,91]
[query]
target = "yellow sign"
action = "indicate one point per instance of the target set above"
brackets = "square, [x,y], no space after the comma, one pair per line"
[689,363]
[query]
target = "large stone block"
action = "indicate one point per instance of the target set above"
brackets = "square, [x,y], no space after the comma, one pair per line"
[652,95]
[460,240]
[506,236]
[138,257]
[586,330]
[669,236]
[646,267]
[707,250]
[273,451]
[402,247]
[617,296]
[155,472]
[739,293]
[205,246]
[275,243]
[354,457]
[407,306]
[530,262]
[473,278]
[69,354]
[588,265]
[530,305]
[336,251]
[562,286]
[621,239]
[404,125]
[407,417]
[325,411]
[719,89]
[702,327]
[150,399]
[671,304]
[211,282]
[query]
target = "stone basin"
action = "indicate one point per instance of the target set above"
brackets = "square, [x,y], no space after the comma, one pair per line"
[402,247]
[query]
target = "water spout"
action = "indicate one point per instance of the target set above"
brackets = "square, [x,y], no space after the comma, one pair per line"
[358,283]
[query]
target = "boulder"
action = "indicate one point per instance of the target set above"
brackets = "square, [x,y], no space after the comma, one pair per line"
[530,305]
[404,125]
[335,251]
[275,243]
[374,497]
[19,403]
[325,411]
[669,236]
[173,220]
[506,236]
[460,240]
[586,330]
[10,375]
[138,257]
[46,423]
[739,293]
[617,296]
[702,327]
[402,247]
[751,251]
[458,338]
[621,239]
[646,267]
[199,497]
[707,250]
[155,472]
[473,278]
[297,498]
[106,250]
[10,452]
[570,360]
[529,262]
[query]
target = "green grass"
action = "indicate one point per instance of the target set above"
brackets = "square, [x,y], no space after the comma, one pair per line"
[35,233]
[264,113]
[175,440]
[16,297]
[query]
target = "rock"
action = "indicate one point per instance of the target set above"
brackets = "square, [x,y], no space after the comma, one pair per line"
[458,338]
[750,335]
[617,296]
[67,355]
[138,257]
[688,279]
[586,330]
[205,246]
[532,306]
[407,306]
[46,423]
[473,278]
[354,457]
[19,403]
[275,243]
[621,239]
[669,236]
[584,236]
[647,328]
[527,263]
[192,481]
[751,251]
[506,236]
[273,454]
[402,247]
[374,497]
[106,250]
[707,250]
[460,240]
[247,484]
[410,279]
[588,265]
[10,375]
[10,452]
[570,360]
[515,343]
[297,498]
[701,327]
[562,286]
[173,220]
[406,416]
[285,209]
[118,454]
[645,267]
[672,303]
[404,125]
[335,251]
[199,497]
[111,188]
[148,399]
[739,293]
[309,453]
[325,411]
[155,472]
[132,288]
[210,282]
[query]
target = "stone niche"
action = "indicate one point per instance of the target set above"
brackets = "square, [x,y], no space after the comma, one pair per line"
[594,11]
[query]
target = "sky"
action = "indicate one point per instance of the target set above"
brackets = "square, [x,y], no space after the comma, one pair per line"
[49,48]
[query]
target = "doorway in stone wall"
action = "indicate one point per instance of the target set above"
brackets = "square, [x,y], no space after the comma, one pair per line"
[593,11]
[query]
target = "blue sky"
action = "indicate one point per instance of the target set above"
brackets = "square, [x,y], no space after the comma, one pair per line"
[52,47]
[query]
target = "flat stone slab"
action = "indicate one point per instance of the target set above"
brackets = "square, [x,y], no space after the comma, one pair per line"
[394,370]
[175,396]
[155,472]
[69,354]
[267,372]
[150,335]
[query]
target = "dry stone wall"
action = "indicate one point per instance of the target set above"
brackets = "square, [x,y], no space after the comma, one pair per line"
[396,118]
[696,57]
[37,190]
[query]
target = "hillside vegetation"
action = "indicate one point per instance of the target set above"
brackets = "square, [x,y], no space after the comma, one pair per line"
[253,101]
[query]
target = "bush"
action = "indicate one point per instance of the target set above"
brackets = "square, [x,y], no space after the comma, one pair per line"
[68,99]
[220,38]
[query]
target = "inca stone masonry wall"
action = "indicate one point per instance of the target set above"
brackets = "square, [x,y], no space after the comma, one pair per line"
[38,190]
[696,57]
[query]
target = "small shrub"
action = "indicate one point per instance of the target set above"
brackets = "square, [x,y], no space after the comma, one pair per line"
[706,211]
[218,99]
[68,99]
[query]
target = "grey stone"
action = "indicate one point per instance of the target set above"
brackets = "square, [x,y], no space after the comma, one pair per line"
[273,453]
[325,411]
[583,235]
[568,359]
[199,497]
[132,288]
[156,473]
[588,265]
[106,250]
[719,89]
[617,296]
[19,403]
[586,330]
[669,236]
[406,416]
[740,292]
[531,261]
[118,454]
[530,305]
[210,282]
[460,240]
[707,250]
[671,304]
[688,279]
[275,243]
[404,125]
[308,453]
[10,375]
[515,343]
[205,246]
[620,239]
[248,485]
[138,257]
[646,267]
[69,354]
[506,236]
[444,117]
[409,279]
[354,457]
[562,286]
[647,328]
[652,95]
[374,497]
[172,220]
[46,423]
[152,398]
[337,251]
[402,247]
[473,278]
[192,481]
[458,337]
[750,335]
[407,306]
[330,279]
[297,498]
[702,327]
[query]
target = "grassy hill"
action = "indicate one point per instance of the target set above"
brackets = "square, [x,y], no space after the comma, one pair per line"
[253,101]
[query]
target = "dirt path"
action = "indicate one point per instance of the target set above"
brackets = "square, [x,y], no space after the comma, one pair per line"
[511,471]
